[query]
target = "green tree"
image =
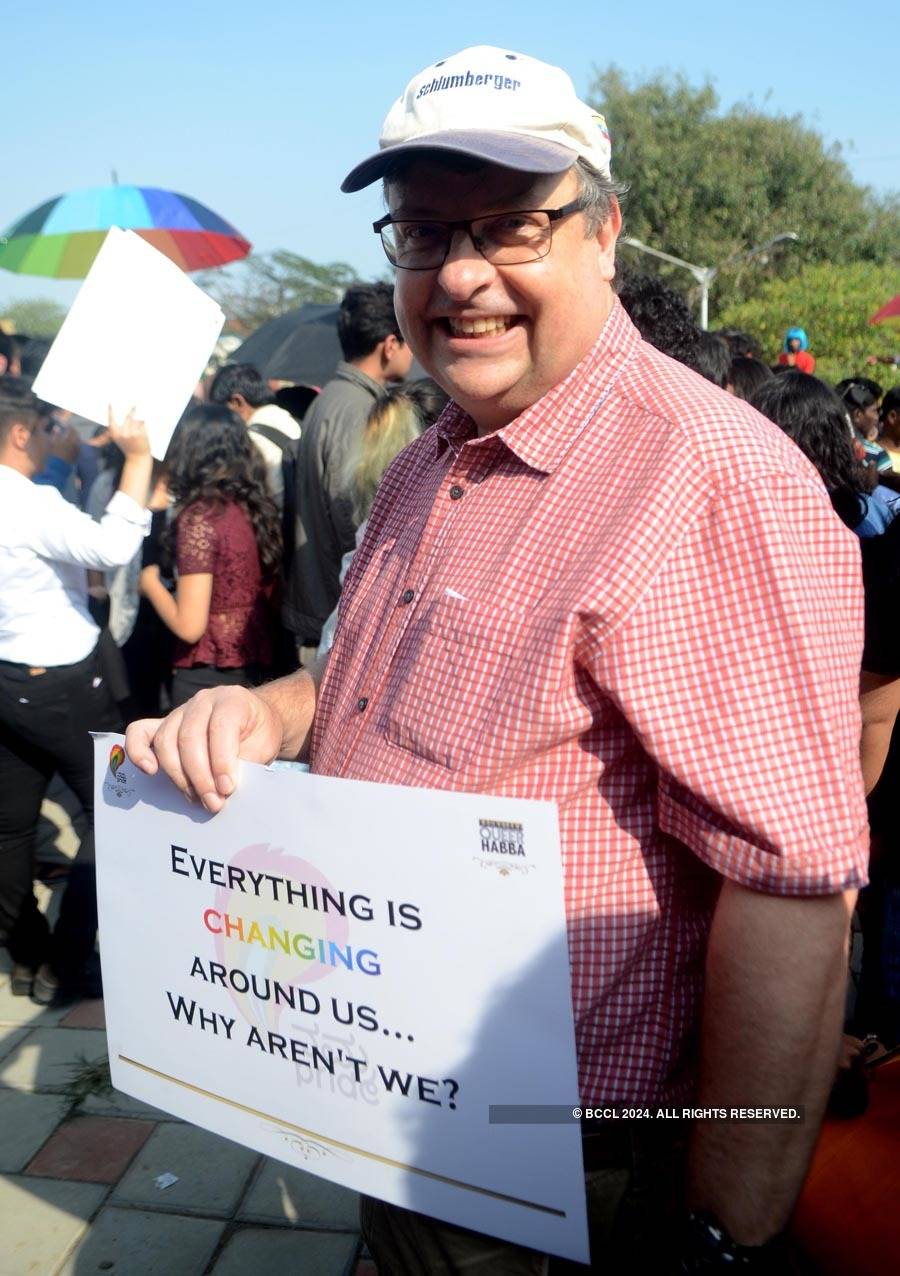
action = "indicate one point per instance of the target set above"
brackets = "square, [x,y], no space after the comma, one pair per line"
[834,305]
[706,185]
[265,285]
[34,316]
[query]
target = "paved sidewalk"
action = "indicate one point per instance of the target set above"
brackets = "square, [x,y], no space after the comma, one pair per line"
[77,1191]
[77,1170]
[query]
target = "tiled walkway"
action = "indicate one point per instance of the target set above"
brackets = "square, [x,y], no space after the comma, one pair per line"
[77,1178]
[78,1195]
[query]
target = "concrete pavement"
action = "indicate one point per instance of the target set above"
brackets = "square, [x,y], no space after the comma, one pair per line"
[77,1175]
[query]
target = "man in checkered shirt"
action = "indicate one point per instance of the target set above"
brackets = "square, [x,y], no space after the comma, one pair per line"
[601,581]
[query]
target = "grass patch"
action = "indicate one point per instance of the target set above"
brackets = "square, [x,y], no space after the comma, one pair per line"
[87,1077]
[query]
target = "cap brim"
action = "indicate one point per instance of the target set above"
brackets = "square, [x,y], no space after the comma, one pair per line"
[508,150]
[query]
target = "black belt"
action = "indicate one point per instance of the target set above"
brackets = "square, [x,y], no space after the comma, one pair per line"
[36,671]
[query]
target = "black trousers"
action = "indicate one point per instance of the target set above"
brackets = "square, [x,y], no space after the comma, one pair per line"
[148,659]
[187,682]
[45,718]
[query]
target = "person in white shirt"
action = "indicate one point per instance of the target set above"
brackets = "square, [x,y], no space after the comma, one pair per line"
[52,690]
[272,429]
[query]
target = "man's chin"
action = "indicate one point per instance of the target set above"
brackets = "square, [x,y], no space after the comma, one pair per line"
[485,394]
[464,381]
[491,410]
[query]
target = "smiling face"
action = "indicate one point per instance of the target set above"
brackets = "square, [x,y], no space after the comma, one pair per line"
[497,338]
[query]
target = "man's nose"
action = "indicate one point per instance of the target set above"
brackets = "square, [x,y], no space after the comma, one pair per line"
[464,270]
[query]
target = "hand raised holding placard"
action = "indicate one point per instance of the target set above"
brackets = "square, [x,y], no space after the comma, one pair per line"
[130,436]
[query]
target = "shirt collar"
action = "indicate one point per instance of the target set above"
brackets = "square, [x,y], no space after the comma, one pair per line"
[453,428]
[542,434]
[15,476]
[347,372]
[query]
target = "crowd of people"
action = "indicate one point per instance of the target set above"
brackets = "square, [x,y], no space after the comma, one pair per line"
[206,598]
[634,542]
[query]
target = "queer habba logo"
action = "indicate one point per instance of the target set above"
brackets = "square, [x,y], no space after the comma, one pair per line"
[116,758]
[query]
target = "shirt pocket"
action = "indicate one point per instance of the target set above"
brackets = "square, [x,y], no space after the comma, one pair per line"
[451,670]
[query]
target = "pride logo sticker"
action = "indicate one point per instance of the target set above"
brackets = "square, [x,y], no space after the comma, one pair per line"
[116,758]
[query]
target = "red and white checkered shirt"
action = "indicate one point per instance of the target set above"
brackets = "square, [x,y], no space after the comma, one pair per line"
[636,601]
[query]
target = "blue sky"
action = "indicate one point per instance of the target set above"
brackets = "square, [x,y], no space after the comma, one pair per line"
[260,110]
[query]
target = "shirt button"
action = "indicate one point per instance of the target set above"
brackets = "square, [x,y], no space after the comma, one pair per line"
[407,596]
[362,702]
[456,492]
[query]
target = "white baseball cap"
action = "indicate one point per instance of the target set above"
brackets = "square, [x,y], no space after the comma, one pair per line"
[503,107]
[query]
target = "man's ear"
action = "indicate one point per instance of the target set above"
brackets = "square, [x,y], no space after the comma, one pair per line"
[19,436]
[606,237]
[389,346]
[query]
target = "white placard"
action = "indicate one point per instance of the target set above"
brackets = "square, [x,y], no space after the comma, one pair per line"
[138,335]
[347,976]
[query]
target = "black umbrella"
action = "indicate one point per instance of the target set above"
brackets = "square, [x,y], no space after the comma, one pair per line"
[301,345]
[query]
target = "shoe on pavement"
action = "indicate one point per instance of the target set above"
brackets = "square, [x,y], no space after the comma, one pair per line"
[46,986]
[21,980]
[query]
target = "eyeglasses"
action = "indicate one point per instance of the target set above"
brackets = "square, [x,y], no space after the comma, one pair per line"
[504,239]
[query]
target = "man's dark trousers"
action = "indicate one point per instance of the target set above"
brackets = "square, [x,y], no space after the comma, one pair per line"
[45,720]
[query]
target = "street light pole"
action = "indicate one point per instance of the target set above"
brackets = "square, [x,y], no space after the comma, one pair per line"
[704,300]
[706,274]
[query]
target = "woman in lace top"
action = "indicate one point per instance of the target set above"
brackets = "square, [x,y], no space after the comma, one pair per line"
[225,542]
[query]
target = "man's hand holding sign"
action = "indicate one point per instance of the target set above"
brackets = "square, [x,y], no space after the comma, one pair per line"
[198,746]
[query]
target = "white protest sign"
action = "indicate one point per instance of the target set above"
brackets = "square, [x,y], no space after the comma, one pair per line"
[347,976]
[138,335]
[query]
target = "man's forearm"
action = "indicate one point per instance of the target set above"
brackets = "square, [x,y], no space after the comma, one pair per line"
[294,700]
[135,480]
[775,990]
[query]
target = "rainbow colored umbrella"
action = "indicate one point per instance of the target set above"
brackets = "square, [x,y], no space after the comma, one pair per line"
[60,239]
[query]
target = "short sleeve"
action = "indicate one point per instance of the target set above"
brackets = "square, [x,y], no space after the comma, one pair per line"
[195,541]
[738,670]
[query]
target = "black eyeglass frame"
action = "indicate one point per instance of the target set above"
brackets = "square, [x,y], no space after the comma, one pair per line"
[552,214]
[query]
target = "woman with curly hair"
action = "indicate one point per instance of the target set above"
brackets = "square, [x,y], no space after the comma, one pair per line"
[224,542]
[810,413]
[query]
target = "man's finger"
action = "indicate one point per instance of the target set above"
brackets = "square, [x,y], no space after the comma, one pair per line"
[165,746]
[139,744]
[193,749]
[226,726]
